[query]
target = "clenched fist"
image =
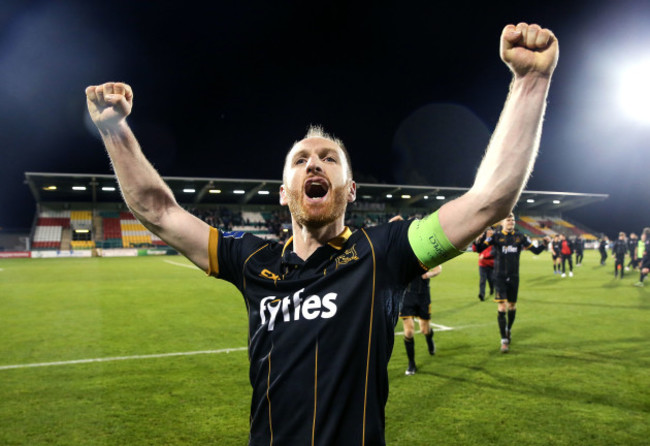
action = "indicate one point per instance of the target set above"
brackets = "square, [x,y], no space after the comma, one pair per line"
[109,103]
[529,49]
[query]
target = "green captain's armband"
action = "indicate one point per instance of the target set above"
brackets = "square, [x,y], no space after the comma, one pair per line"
[429,243]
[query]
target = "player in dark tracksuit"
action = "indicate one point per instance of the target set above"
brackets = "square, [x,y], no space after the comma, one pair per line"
[632,245]
[508,245]
[579,245]
[619,249]
[602,248]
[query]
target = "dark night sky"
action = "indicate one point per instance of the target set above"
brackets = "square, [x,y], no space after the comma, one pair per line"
[223,90]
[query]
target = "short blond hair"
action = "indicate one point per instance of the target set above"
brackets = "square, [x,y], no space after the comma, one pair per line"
[317,131]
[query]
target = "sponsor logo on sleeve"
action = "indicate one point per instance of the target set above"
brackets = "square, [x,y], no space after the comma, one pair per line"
[234,234]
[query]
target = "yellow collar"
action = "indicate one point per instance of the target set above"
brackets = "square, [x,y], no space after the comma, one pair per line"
[336,243]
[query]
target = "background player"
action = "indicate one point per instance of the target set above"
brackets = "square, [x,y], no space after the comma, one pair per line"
[485,263]
[632,244]
[644,265]
[508,245]
[579,245]
[556,253]
[566,252]
[417,303]
[619,249]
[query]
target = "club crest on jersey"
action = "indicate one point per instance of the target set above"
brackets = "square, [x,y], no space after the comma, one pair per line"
[350,255]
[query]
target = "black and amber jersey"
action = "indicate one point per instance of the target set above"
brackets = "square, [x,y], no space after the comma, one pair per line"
[418,286]
[507,249]
[321,331]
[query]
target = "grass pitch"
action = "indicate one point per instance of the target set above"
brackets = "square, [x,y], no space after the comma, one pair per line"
[138,351]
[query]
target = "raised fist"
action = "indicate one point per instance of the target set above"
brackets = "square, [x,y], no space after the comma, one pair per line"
[529,49]
[109,103]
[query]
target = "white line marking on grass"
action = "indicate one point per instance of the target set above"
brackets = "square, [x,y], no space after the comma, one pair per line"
[436,327]
[185,265]
[121,358]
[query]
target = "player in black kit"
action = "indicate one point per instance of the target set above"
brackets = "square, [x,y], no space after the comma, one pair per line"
[508,245]
[322,308]
[619,249]
[417,303]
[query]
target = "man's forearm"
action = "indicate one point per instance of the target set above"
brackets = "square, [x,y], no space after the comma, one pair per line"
[144,191]
[513,148]
[505,168]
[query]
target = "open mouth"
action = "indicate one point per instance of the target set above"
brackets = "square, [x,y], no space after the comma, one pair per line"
[316,188]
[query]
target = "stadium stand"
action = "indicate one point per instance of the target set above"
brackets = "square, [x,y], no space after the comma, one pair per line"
[100,209]
[49,229]
[134,234]
[81,226]
[550,225]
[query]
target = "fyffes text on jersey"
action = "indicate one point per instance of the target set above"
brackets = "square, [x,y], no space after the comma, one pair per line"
[294,307]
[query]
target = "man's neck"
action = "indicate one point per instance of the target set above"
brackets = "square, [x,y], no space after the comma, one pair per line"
[307,240]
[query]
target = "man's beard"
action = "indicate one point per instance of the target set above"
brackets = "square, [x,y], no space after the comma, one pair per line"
[321,214]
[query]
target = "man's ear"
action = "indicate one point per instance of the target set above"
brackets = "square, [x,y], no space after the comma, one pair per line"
[283,195]
[352,192]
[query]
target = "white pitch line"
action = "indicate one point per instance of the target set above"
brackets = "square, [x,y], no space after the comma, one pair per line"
[120,358]
[437,327]
[185,265]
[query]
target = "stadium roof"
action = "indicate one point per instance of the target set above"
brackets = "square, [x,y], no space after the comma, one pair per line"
[101,188]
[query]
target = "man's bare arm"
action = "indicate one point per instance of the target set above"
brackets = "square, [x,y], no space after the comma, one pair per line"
[531,53]
[144,191]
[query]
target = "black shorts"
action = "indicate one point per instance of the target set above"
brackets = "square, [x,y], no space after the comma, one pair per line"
[416,305]
[507,288]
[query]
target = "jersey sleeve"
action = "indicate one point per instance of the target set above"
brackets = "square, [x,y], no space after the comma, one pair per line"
[227,252]
[528,244]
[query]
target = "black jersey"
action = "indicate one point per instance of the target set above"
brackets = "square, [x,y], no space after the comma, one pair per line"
[507,249]
[557,248]
[418,286]
[619,248]
[321,331]
[579,245]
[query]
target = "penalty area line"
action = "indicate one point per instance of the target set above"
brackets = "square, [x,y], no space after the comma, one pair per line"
[120,358]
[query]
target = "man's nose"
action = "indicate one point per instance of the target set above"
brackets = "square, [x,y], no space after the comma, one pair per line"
[314,164]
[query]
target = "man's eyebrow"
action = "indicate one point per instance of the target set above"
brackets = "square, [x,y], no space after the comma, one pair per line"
[321,151]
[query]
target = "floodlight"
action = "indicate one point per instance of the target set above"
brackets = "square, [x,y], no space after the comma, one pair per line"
[634,93]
